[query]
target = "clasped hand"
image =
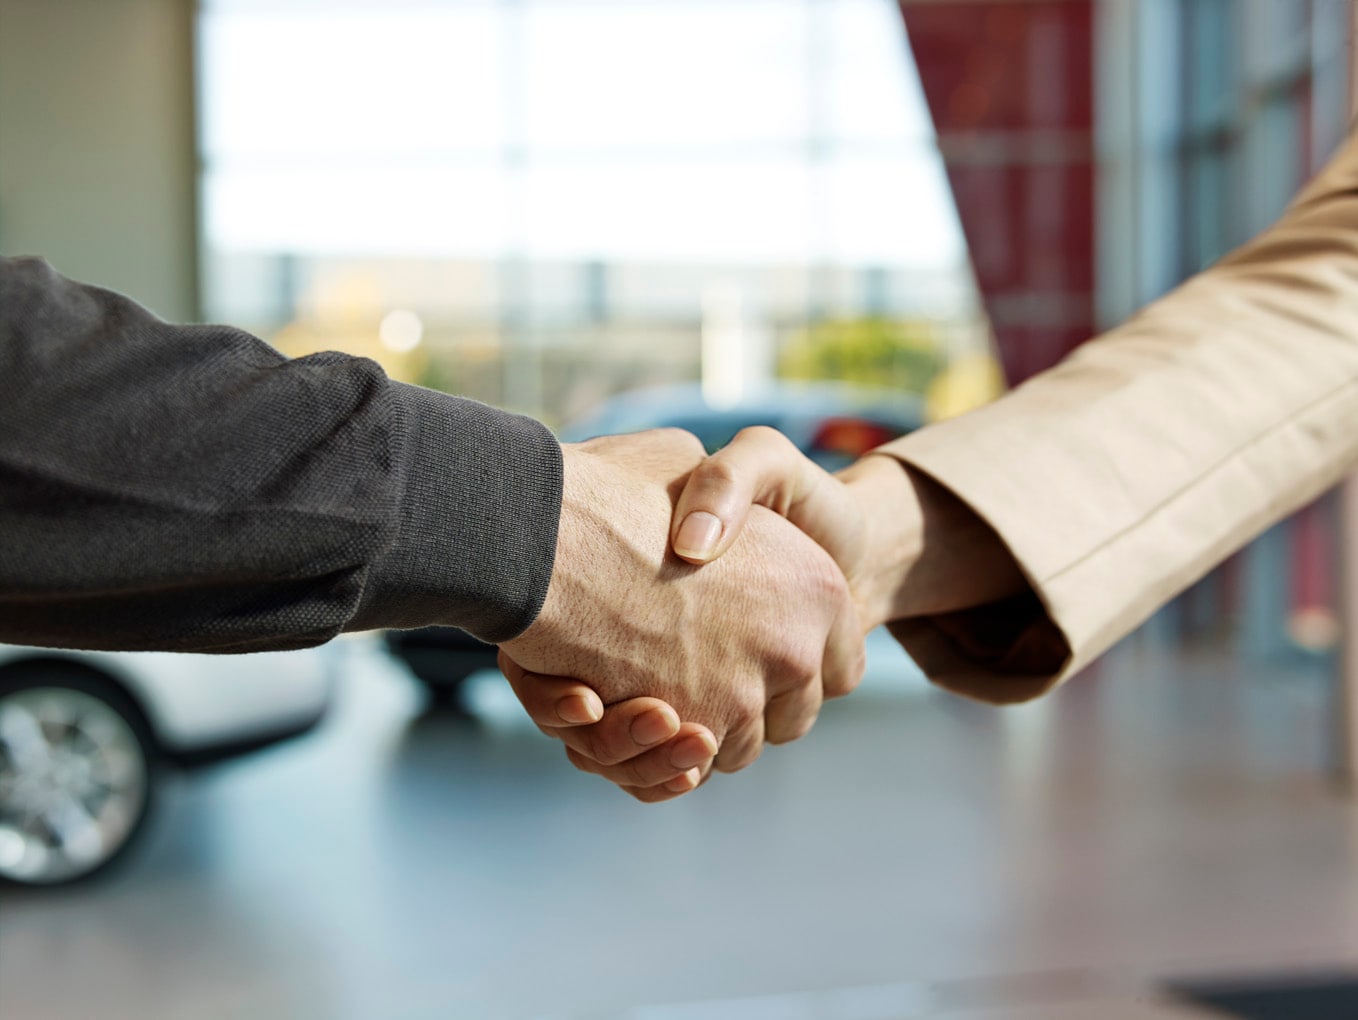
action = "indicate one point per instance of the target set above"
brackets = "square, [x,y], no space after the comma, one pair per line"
[656,614]
[704,606]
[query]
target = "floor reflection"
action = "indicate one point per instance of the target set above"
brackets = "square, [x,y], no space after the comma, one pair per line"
[916,855]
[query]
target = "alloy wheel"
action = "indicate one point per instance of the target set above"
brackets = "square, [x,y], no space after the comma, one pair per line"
[74,783]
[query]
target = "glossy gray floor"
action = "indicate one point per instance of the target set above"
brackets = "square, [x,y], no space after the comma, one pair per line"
[916,856]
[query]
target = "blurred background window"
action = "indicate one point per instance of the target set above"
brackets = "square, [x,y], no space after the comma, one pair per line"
[554,197]
[546,203]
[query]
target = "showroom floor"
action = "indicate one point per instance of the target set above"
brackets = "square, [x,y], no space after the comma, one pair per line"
[915,856]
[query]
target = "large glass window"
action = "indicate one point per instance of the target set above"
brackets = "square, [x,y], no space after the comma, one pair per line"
[554,190]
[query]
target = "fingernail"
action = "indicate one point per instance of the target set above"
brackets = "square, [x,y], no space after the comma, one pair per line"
[698,535]
[653,726]
[692,751]
[682,784]
[578,710]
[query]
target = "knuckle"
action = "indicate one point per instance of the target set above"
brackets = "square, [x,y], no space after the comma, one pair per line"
[841,682]
[829,579]
[542,713]
[762,434]
[682,440]
[646,795]
[854,676]
[578,760]
[741,759]
[792,730]
[841,686]
[796,668]
[634,773]
[599,749]
[749,706]
[717,472]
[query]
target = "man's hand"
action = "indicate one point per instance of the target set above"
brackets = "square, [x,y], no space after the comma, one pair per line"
[744,647]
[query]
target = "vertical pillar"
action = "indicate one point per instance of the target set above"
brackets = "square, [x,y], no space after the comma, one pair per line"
[1346,704]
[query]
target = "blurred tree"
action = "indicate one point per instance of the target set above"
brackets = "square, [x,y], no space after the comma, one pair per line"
[437,373]
[903,355]
[967,382]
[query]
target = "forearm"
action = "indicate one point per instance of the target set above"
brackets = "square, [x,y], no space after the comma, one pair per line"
[1118,478]
[929,552]
[190,488]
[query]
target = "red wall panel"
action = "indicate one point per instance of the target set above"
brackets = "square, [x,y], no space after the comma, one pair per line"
[1010,87]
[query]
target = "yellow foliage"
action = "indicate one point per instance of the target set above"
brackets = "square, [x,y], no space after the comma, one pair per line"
[965,384]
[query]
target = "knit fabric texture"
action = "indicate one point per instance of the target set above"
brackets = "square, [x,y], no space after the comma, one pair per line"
[190,488]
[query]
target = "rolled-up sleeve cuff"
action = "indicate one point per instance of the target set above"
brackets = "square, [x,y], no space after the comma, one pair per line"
[478,519]
[1002,652]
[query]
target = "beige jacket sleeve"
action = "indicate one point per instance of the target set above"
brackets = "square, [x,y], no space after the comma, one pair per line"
[1125,473]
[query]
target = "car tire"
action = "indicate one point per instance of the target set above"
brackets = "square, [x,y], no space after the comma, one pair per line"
[78,770]
[442,695]
[441,659]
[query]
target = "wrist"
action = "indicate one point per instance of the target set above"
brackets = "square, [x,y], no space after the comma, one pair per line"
[569,535]
[930,552]
[894,537]
[613,530]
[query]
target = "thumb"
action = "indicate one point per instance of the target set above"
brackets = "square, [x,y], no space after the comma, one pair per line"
[762,467]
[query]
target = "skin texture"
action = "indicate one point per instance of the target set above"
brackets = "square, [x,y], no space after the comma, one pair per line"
[745,648]
[905,545]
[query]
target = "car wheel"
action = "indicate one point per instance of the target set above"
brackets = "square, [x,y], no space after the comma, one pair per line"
[77,767]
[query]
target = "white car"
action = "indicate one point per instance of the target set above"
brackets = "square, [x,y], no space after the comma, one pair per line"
[83,734]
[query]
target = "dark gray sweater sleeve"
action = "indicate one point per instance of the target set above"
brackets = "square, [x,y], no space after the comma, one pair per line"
[190,488]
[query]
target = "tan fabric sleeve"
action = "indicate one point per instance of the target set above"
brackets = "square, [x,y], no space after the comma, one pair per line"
[1149,455]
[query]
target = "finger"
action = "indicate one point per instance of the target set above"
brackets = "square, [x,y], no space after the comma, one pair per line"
[627,729]
[542,696]
[845,654]
[791,714]
[741,746]
[653,794]
[688,754]
[620,732]
[704,774]
[686,783]
[761,467]
[557,702]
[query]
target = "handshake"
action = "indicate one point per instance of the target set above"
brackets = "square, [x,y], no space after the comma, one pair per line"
[701,607]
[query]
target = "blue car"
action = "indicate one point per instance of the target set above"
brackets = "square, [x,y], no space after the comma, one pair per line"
[832,423]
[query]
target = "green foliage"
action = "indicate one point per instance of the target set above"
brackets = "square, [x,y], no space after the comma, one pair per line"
[437,373]
[902,355]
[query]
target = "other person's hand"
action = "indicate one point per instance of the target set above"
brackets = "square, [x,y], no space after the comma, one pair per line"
[906,545]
